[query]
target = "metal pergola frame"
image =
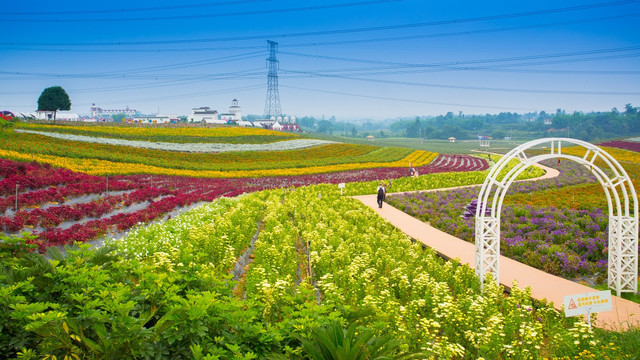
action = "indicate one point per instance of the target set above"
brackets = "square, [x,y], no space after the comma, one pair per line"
[621,198]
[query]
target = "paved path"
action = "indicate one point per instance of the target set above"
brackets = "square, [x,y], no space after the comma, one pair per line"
[542,284]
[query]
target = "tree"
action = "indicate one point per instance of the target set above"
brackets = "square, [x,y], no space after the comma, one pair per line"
[325,126]
[630,110]
[53,99]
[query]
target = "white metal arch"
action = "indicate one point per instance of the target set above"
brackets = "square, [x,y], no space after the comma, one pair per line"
[619,191]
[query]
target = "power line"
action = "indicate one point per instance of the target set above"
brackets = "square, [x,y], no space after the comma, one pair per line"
[406,100]
[120,11]
[123,73]
[463,62]
[385,70]
[331,32]
[184,96]
[459,33]
[199,16]
[344,42]
[479,88]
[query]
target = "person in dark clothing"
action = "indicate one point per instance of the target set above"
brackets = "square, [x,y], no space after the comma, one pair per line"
[381,194]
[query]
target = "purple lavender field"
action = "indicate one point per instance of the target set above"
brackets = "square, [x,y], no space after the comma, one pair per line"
[564,242]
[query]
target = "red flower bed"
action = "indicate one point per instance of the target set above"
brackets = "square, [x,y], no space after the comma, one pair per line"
[41,184]
[624,145]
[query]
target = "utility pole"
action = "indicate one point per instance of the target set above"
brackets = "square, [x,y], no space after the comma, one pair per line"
[272,104]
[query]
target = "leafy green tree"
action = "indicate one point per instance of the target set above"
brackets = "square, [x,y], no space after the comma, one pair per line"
[630,110]
[325,126]
[54,98]
[413,129]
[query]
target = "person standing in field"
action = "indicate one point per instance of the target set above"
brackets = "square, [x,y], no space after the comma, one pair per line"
[381,194]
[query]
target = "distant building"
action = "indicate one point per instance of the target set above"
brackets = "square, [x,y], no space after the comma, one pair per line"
[452,139]
[156,119]
[234,114]
[205,114]
[59,115]
[371,138]
[547,121]
[97,112]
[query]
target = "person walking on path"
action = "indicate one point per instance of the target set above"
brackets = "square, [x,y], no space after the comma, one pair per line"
[381,194]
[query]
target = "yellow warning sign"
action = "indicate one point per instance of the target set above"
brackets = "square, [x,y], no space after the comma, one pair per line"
[572,305]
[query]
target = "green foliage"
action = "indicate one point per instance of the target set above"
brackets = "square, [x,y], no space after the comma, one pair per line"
[333,342]
[165,291]
[53,99]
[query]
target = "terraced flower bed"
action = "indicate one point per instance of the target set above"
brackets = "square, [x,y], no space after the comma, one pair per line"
[60,206]
[105,159]
[160,133]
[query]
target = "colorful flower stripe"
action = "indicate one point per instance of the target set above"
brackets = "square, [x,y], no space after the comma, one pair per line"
[148,132]
[624,145]
[188,147]
[102,167]
[317,156]
[197,189]
[620,155]
[579,197]
[56,215]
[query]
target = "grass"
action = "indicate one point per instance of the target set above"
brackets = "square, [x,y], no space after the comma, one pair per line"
[635,297]
[439,146]
[626,340]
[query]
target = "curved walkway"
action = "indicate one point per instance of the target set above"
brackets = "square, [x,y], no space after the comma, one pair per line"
[542,284]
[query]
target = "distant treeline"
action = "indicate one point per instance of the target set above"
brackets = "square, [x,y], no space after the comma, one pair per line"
[591,126]
[585,126]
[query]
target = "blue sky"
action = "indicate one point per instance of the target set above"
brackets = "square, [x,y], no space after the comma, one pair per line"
[345,58]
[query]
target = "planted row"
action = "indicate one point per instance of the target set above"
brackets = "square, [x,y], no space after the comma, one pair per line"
[163,193]
[103,159]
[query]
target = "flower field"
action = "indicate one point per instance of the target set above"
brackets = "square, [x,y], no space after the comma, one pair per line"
[59,206]
[625,145]
[180,289]
[105,159]
[540,227]
[182,134]
[242,255]
[212,147]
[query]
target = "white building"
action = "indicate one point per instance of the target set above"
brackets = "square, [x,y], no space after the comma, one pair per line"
[100,112]
[234,114]
[205,114]
[59,115]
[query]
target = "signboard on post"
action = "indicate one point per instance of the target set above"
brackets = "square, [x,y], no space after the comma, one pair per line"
[341,186]
[586,303]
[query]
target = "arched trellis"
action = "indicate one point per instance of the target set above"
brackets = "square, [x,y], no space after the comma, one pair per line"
[618,189]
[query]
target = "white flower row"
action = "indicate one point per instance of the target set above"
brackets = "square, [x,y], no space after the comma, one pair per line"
[193,147]
[635,139]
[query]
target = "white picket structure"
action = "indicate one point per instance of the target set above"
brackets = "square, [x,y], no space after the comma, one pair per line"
[618,188]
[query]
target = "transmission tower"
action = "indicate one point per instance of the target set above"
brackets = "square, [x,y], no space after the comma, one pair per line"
[272,104]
